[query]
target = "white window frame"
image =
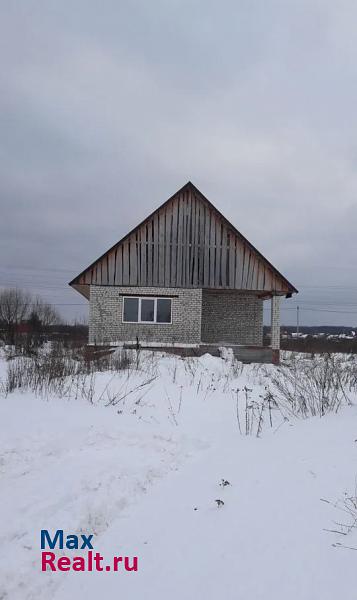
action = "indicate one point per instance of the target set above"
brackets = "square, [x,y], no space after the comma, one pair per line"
[140,298]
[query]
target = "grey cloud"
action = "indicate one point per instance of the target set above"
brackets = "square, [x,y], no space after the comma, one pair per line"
[106,108]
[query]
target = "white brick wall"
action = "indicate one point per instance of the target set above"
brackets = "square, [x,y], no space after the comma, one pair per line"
[232,317]
[219,316]
[106,325]
[275,322]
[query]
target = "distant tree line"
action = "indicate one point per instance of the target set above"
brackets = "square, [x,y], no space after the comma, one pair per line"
[23,315]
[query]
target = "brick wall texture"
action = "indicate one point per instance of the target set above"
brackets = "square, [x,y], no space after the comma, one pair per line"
[232,317]
[106,325]
[197,315]
[275,322]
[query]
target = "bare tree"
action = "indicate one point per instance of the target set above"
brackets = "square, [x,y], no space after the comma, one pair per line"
[15,306]
[46,314]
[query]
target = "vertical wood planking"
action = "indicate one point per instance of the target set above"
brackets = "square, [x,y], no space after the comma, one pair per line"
[149,252]
[268,279]
[196,243]
[217,274]
[182,238]
[155,275]
[118,265]
[206,247]
[252,272]
[161,245]
[184,244]
[180,220]
[168,246]
[104,271]
[192,238]
[133,274]
[256,274]
[264,278]
[142,250]
[247,261]
[190,235]
[201,244]
[240,264]
[174,243]
[115,265]
[111,270]
[184,241]
[126,259]
[212,262]
[260,275]
[232,251]
[187,248]
[224,258]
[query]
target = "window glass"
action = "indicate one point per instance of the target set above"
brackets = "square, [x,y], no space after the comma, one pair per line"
[147,309]
[163,310]
[131,309]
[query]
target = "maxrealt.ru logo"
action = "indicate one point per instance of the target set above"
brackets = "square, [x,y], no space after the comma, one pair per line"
[87,561]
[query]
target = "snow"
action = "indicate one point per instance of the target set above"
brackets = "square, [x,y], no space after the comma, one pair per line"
[143,476]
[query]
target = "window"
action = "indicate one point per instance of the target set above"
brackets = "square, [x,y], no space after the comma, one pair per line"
[131,306]
[146,310]
[163,310]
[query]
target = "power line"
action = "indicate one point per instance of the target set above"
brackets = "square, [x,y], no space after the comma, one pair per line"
[345,312]
[51,304]
[51,269]
[265,308]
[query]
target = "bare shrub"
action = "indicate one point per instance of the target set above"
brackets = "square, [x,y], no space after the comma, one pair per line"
[62,372]
[301,387]
[350,373]
[347,509]
[57,370]
[310,387]
[45,374]
[252,414]
[191,366]
[139,391]
[237,368]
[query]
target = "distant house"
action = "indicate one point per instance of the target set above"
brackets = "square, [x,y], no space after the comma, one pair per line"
[184,277]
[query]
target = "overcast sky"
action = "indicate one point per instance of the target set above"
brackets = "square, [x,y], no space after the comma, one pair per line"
[107,107]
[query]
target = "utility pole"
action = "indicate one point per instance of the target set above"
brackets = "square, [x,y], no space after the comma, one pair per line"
[297,321]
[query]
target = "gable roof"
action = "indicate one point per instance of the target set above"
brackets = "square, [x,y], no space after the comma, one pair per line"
[90,275]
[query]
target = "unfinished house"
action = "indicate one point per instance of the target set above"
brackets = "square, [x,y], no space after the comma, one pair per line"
[185,277]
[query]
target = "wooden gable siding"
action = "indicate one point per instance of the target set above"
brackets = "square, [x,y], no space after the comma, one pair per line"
[185,243]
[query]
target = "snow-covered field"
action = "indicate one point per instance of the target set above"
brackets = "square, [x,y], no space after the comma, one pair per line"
[143,474]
